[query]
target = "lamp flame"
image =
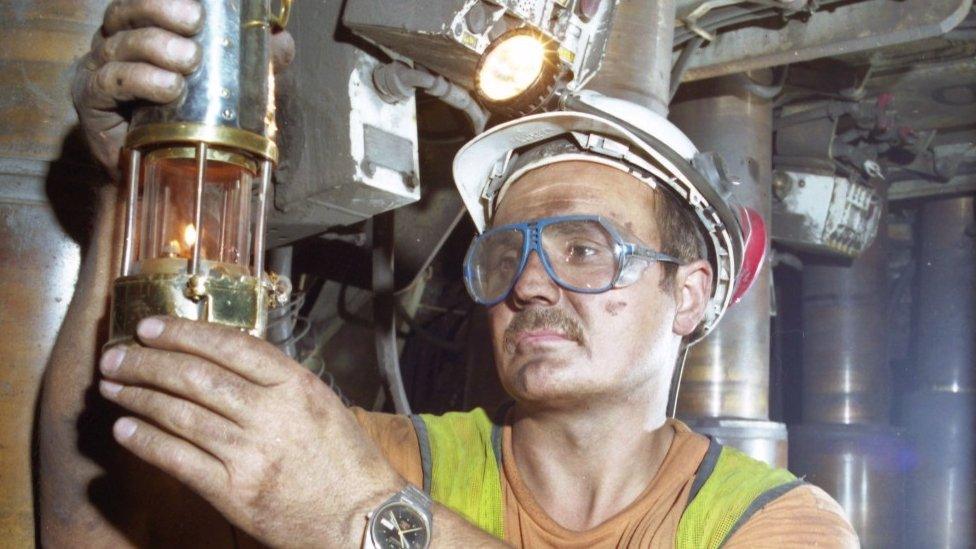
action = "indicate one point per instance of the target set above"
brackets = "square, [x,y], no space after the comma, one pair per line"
[190,235]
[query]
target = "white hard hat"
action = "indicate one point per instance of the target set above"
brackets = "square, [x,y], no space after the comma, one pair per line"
[646,146]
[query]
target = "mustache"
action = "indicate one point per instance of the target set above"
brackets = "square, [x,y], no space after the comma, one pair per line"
[543,319]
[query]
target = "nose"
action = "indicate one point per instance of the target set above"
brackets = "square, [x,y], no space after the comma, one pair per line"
[534,286]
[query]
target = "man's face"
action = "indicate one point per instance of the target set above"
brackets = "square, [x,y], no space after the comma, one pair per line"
[559,348]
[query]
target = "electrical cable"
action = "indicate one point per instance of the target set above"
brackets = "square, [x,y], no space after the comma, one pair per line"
[300,334]
[761,90]
[397,81]
[384,310]
[718,19]
[681,64]
[731,16]
[423,333]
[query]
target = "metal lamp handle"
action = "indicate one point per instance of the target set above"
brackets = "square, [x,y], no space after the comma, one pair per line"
[280,21]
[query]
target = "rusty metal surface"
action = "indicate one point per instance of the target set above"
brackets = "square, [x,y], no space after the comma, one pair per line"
[40,41]
[945,296]
[38,260]
[762,440]
[38,268]
[862,467]
[727,373]
[846,378]
[637,60]
[845,29]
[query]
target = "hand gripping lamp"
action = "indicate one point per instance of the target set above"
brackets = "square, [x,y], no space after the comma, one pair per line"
[198,175]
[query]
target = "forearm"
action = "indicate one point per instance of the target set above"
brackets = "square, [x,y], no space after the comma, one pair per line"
[65,471]
[94,493]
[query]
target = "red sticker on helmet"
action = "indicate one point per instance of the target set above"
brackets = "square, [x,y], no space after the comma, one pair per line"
[753,250]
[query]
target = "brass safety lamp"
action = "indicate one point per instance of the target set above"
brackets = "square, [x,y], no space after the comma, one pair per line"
[198,176]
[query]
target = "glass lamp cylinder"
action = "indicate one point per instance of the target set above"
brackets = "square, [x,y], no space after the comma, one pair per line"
[199,172]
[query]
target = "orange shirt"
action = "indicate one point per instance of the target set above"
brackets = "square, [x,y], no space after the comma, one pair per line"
[805,516]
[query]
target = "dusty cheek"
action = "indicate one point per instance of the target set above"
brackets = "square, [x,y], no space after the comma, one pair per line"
[497,322]
[613,308]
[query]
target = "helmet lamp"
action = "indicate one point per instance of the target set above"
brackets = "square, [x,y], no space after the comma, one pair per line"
[517,72]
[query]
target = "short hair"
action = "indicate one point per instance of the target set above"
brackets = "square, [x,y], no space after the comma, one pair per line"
[679,232]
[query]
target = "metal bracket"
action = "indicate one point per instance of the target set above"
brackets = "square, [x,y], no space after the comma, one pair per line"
[846,29]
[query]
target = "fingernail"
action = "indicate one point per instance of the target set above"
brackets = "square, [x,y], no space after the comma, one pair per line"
[193,15]
[112,359]
[183,50]
[124,428]
[165,79]
[150,328]
[109,388]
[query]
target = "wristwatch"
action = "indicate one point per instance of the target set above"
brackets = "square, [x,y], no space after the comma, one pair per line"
[401,522]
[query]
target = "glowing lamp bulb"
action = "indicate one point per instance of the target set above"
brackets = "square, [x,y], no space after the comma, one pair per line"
[510,67]
[189,236]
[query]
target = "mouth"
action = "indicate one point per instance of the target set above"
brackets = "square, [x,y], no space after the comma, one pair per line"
[541,329]
[540,337]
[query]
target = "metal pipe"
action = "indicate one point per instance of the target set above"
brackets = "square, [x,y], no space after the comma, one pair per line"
[861,466]
[280,319]
[762,440]
[727,373]
[198,207]
[39,263]
[846,378]
[945,296]
[40,163]
[259,225]
[637,60]
[940,416]
[135,163]
[941,504]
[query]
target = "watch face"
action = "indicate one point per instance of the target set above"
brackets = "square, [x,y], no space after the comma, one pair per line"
[399,526]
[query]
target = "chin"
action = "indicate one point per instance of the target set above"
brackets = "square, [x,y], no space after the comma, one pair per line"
[549,380]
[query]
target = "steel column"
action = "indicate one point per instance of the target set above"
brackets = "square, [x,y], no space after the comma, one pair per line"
[945,297]
[38,259]
[940,415]
[862,467]
[846,378]
[727,374]
[724,391]
[637,60]
[846,444]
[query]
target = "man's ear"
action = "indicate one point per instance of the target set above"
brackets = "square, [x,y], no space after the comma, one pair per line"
[693,287]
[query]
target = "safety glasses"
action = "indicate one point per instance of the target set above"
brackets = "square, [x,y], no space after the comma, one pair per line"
[581,253]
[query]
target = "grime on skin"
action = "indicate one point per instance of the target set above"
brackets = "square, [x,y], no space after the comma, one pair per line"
[560,348]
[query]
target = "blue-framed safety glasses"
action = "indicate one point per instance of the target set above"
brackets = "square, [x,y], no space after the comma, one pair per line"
[581,253]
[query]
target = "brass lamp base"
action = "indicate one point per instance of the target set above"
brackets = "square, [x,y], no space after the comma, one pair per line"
[236,301]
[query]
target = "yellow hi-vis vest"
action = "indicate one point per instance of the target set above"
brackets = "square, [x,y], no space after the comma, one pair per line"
[461,458]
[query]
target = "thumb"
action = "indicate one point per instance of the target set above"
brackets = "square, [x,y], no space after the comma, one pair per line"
[282,50]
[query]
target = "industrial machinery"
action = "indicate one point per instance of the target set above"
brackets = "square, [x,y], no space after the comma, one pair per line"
[848,125]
